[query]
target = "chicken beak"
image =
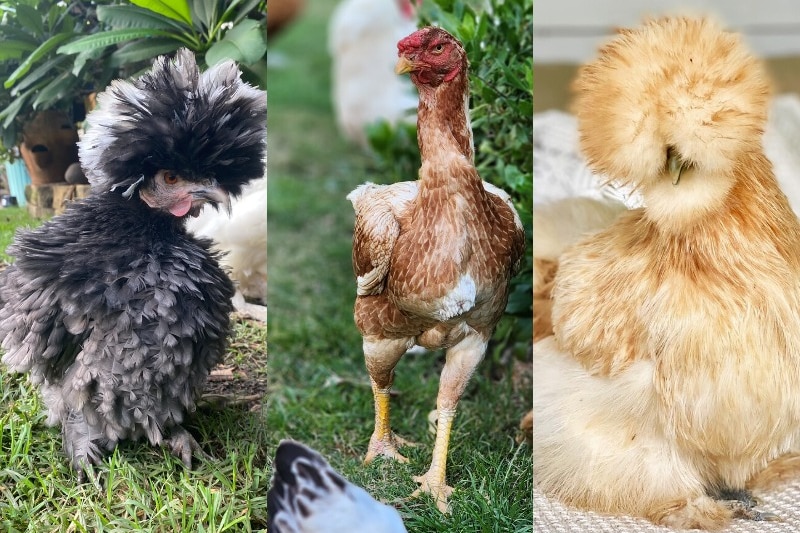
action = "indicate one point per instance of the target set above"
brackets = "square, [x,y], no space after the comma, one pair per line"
[675,166]
[212,193]
[403,65]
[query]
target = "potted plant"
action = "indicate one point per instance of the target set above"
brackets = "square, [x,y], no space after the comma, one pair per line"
[53,54]
[42,91]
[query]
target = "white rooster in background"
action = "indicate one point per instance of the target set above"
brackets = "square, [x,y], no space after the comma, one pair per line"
[242,237]
[362,41]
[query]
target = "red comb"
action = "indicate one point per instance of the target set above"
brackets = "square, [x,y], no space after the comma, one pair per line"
[412,41]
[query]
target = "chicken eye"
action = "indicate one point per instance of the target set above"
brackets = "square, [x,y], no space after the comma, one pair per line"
[170,178]
[438,49]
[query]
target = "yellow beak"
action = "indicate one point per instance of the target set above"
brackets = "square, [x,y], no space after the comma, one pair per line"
[403,65]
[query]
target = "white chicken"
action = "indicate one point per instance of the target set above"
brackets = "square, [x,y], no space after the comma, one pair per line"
[362,41]
[242,237]
[308,496]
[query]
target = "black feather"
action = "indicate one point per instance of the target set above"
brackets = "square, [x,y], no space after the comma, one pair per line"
[209,125]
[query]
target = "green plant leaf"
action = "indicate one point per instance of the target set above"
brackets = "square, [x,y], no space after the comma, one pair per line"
[174,9]
[243,43]
[126,17]
[30,19]
[143,50]
[243,11]
[56,90]
[42,71]
[13,49]
[107,38]
[204,13]
[42,50]
[12,110]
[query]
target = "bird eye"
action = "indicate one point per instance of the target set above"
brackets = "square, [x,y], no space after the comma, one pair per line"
[438,49]
[170,178]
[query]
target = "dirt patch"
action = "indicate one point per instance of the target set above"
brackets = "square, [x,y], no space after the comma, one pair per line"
[241,379]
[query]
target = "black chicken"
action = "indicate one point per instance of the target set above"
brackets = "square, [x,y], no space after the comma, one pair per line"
[116,313]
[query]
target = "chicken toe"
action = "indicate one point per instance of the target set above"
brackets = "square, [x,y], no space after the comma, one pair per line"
[386,445]
[184,446]
[740,509]
[433,483]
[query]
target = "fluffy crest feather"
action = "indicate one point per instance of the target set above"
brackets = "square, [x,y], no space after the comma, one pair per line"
[209,125]
[676,84]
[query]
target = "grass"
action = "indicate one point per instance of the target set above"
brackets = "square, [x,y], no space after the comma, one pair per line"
[318,386]
[138,487]
[12,218]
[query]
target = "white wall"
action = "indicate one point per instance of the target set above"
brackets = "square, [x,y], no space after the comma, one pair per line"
[571,30]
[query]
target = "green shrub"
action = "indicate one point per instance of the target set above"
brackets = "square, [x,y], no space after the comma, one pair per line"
[499,44]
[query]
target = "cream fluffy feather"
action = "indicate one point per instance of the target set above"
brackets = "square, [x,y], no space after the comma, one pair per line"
[673,374]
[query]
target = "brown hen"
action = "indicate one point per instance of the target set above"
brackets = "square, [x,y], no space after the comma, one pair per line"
[433,257]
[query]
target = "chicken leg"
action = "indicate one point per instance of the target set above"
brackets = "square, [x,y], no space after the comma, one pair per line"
[462,359]
[381,356]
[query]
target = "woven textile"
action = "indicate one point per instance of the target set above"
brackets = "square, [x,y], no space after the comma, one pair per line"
[551,517]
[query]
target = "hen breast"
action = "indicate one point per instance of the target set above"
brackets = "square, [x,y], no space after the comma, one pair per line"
[437,252]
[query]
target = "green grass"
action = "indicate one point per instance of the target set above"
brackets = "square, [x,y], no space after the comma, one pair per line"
[12,218]
[313,337]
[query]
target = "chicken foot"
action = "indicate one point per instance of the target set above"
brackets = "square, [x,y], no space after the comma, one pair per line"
[83,443]
[384,441]
[183,445]
[462,359]
[742,504]
[381,356]
[433,481]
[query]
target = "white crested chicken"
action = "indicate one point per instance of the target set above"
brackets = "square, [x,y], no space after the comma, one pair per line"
[362,36]
[308,496]
[671,387]
[433,257]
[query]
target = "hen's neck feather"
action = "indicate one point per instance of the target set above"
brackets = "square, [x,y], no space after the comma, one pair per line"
[443,119]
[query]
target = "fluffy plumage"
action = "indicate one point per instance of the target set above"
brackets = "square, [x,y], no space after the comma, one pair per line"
[672,379]
[112,308]
[557,225]
[308,496]
[433,257]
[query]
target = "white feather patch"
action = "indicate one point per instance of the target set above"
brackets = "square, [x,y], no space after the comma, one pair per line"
[459,300]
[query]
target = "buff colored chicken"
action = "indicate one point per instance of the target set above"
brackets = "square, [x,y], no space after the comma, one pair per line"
[433,257]
[671,387]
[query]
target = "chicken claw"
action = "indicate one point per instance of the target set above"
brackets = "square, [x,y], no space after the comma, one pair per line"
[740,509]
[741,502]
[184,446]
[386,446]
[431,482]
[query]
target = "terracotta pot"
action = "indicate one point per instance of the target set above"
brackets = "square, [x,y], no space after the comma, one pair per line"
[49,146]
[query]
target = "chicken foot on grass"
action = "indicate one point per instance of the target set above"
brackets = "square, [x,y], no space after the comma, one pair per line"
[83,443]
[461,361]
[381,357]
[183,445]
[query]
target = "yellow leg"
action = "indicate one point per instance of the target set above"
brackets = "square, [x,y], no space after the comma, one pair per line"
[383,441]
[433,481]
